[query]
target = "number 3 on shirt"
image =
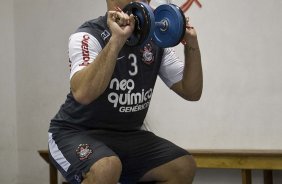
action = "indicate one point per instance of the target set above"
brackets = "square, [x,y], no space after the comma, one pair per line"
[134,70]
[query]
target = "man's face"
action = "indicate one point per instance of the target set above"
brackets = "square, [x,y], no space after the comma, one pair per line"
[145,1]
[123,3]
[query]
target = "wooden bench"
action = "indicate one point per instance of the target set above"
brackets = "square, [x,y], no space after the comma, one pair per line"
[245,160]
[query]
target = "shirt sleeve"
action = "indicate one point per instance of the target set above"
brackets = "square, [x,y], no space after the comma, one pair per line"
[83,49]
[171,70]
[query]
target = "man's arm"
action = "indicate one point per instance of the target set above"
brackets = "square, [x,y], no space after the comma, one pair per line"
[90,82]
[191,85]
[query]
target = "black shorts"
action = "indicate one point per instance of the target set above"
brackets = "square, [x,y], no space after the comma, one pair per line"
[74,152]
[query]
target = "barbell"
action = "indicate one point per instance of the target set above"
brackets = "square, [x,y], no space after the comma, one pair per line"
[166,25]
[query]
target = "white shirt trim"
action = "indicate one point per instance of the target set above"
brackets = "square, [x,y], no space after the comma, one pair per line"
[171,70]
[83,49]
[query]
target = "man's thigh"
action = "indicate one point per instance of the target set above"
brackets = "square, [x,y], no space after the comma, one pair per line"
[147,151]
[73,153]
[181,169]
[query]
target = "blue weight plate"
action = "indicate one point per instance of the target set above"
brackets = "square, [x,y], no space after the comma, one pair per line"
[145,23]
[176,25]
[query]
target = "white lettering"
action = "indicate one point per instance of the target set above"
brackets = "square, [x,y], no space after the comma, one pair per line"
[134,108]
[127,100]
[122,85]
[113,98]
[130,85]
[113,81]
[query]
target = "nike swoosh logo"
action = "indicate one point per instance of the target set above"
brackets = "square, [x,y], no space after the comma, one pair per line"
[119,58]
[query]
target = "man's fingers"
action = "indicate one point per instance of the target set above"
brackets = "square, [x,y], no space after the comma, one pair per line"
[131,19]
[122,19]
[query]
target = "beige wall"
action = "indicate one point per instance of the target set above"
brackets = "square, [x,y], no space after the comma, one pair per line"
[242,100]
[8,117]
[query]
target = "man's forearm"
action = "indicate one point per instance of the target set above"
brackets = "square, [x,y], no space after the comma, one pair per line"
[192,81]
[91,82]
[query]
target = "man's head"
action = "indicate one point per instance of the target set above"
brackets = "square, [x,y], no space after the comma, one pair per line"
[122,3]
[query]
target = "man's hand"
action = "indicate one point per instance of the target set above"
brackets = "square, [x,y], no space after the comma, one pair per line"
[121,25]
[190,37]
[191,85]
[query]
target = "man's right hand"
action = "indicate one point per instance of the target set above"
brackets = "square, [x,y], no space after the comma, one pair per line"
[121,25]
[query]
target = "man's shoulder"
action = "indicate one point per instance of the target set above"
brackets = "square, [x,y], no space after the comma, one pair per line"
[99,23]
[97,28]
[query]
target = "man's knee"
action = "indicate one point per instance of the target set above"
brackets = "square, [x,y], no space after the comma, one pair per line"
[108,164]
[181,170]
[186,167]
[106,170]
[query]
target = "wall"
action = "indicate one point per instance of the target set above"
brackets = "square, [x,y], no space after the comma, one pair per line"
[8,120]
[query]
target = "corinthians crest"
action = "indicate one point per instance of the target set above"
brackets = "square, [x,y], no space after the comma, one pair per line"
[83,151]
[147,54]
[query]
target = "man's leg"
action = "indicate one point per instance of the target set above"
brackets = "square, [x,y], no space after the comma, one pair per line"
[178,171]
[105,171]
[83,158]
